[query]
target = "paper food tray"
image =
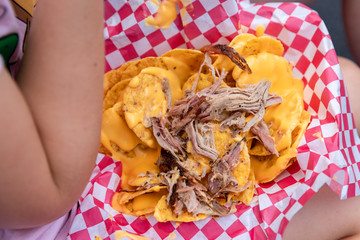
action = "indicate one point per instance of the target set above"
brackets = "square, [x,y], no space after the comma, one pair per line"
[328,152]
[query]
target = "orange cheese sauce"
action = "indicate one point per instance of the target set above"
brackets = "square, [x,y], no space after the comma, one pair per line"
[167,13]
[318,135]
[143,160]
[115,129]
[259,31]
[164,17]
[122,234]
[139,205]
[272,67]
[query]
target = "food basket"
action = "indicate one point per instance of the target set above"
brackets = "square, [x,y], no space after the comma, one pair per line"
[328,153]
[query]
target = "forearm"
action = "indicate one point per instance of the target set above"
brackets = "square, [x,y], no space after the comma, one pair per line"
[61,79]
[351,18]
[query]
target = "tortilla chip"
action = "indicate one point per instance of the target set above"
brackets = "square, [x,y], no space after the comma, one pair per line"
[143,99]
[192,58]
[140,180]
[242,171]
[223,62]
[115,94]
[267,44]
[300,129]
[247,195]
[139,202]
[281,122]
[163,213]
[266,168]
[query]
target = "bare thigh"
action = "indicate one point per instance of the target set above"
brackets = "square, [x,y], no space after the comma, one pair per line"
[351,74]
[325,216]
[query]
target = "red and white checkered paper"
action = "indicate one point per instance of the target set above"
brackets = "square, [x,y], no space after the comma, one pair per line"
[331,159]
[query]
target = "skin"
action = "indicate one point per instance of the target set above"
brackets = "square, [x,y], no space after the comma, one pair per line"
[351,18]
[325,216]
[51,114]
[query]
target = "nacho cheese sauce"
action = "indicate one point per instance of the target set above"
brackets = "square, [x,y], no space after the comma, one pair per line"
[164,17]
[167,13]
[122,234]
[115,129]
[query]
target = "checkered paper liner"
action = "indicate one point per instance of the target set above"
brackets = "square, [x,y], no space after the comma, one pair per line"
[328,153]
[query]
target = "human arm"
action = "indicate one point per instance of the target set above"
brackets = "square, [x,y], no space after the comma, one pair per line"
[325,216]
[52,117]
[351,19]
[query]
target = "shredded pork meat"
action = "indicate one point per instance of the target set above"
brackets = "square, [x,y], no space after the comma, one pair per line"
[191,118]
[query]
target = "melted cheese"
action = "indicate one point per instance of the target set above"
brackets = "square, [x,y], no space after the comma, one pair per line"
[267,168]
[148,90]
[274,68]
[138,203]
[122,234]
[144,99]
[283,118]
[178,72]
[259,31]
[174,81]
[114,129]
[147,201]
[138,161]
[164,17]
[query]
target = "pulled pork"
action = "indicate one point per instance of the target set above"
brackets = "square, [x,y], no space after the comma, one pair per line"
[190,119]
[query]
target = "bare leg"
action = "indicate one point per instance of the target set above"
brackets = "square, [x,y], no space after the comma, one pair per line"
[325,216]
[351,74]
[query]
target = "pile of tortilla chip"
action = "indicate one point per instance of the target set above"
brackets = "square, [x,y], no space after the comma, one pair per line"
[195,130]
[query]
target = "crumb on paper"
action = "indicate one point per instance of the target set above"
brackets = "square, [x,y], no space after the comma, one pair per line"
[171,236]
[259,31]
[156,2]
[318,135]
[122,234]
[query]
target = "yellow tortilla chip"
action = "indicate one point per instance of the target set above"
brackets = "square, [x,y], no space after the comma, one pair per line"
[247,195]
[192,58]
[300,129]
[142,178]
[140,202]
[114,76]
[223,62]
[268,66]
[143,99]
[115,94]
[262,44]
[242,171]
[163,213]
[281,121]
[205,80]
[266,168]
[130,69]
